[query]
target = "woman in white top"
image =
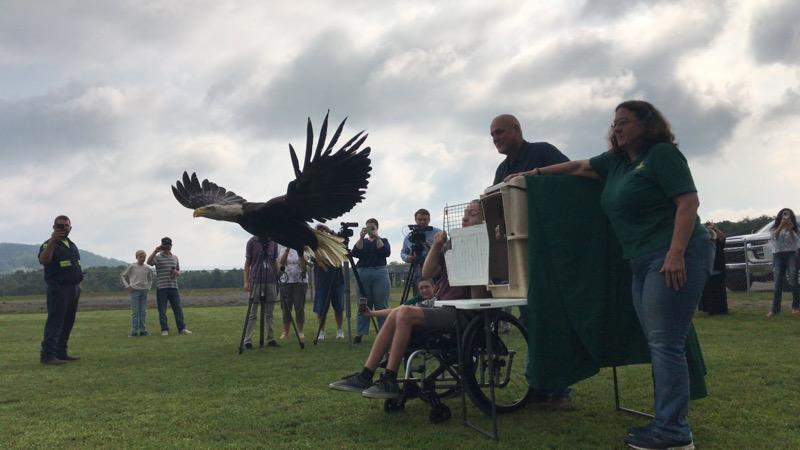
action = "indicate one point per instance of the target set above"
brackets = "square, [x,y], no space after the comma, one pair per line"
[784,239]
[293,282]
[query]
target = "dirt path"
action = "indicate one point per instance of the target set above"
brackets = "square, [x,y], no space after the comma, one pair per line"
[123,302]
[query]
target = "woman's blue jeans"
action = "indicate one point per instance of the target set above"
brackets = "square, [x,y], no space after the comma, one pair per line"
[665,315]
[376,290]
[783,263]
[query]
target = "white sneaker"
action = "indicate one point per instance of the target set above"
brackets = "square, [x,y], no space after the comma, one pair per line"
[339,334]
[165,332]
[321,336]
[185,331]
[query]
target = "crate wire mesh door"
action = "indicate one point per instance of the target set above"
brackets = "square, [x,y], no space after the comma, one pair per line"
[453,215]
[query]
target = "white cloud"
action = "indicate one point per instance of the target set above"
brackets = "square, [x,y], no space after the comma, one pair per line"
[104,104]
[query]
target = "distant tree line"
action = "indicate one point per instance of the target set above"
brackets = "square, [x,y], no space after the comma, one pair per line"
[744,226]
[106,279]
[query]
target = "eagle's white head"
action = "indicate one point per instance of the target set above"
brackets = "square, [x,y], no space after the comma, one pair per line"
[230,213]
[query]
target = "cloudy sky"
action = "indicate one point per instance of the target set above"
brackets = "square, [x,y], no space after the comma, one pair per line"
[104,104]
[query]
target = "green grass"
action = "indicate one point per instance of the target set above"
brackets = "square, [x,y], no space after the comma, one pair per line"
[196,391]
[118,294]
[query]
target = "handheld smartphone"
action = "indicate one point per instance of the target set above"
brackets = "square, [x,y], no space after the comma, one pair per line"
[362,305]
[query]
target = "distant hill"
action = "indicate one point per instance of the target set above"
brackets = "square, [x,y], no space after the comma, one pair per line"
[15,257]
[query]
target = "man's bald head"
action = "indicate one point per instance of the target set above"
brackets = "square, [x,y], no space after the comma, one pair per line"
[506,134]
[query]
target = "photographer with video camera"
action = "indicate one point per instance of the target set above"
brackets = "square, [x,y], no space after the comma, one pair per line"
[395,335]
[372,251]
[416,245]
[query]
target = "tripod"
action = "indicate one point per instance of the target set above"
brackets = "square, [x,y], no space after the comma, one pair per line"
[416,251]
[409,284]
[257,297]
[258,294]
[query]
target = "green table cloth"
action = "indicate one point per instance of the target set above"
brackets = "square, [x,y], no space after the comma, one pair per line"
[580,312]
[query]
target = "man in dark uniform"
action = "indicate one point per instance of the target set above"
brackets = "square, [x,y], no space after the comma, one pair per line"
[62,273]
[520,154]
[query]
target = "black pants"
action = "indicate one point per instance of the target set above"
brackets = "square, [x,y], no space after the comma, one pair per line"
[62,305]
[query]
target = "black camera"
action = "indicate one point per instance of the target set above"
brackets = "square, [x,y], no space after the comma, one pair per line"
[345,230]
[417,238]
[362,305]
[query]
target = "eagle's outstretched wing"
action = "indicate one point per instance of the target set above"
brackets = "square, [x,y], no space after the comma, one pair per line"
[331,183]
[192,194]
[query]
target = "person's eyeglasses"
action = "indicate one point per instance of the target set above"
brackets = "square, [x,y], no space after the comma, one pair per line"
[620,123]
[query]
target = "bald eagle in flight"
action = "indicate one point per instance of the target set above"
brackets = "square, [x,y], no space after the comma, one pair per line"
[329,185]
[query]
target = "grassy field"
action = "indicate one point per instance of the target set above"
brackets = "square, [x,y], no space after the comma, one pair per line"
[119,294]
[196,391]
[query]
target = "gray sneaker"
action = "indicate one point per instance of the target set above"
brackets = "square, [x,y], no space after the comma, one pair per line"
[383,389]
[351,383]
[656,441]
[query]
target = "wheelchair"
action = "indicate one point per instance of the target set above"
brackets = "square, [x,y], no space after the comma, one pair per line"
[431,370]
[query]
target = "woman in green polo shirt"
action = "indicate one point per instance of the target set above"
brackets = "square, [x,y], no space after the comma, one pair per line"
[651,201]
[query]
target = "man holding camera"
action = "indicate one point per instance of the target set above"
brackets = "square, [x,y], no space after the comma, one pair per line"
[417,244]
[62,273]
[168,269]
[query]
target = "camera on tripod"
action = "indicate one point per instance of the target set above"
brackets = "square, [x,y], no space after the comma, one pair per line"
[417,238]
[346,229]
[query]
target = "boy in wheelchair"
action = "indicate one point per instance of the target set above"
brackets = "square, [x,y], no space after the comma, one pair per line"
[403,321]
[404,324]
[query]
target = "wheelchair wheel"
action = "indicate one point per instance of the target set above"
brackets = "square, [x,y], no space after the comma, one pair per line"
[510,343]
[442,382]
[440,413]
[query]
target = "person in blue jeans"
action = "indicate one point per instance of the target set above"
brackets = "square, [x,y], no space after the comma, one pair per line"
[651,202]
[784,240]
[372,251]
[137,279]
[168,269]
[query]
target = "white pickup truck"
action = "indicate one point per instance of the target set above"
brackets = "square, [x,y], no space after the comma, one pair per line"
[758,260]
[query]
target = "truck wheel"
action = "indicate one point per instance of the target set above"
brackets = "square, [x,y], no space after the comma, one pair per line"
[736,283]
